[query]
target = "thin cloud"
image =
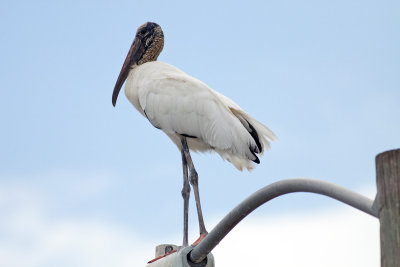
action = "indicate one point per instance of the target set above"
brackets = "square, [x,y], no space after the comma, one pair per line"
[332,238]
[342,237]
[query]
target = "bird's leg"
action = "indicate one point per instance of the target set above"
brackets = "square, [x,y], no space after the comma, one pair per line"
[185,194]
[194,181]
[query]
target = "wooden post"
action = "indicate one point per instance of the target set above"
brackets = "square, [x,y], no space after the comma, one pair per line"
[388,200]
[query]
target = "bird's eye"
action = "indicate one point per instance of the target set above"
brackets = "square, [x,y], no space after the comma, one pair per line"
[142,31]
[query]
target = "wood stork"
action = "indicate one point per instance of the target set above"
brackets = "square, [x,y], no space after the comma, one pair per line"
[192,114]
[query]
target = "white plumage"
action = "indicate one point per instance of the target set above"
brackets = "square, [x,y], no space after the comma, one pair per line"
[193,115]
[179,104]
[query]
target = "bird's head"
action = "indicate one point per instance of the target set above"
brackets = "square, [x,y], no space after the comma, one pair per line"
[147,46]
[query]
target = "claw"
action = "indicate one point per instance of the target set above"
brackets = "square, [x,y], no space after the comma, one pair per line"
[199,239]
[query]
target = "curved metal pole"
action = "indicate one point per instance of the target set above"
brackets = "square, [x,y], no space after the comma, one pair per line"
[272,191]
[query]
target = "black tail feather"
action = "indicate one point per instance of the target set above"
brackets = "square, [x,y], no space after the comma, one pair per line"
[254,134]
[257,160]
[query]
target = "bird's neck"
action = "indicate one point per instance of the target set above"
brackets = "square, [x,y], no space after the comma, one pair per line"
[154,50]
[147,57]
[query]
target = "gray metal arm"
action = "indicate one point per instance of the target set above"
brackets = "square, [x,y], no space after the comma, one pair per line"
[272,191]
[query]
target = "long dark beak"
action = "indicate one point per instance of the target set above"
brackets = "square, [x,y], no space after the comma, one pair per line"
[135,53]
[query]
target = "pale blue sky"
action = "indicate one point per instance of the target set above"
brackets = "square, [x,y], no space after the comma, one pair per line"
[323,75]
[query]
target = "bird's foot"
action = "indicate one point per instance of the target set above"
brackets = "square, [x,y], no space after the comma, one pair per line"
[199,239]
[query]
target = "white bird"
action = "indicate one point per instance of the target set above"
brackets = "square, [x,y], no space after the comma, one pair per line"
[192,114]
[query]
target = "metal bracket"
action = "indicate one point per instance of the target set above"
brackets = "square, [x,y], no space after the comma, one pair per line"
[181,259]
